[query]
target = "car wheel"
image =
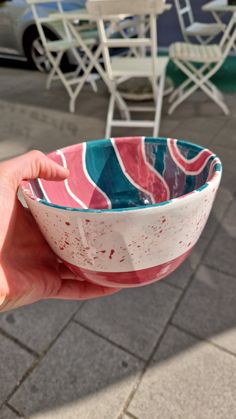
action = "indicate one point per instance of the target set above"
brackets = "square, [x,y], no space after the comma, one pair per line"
[36,54]
[39,56]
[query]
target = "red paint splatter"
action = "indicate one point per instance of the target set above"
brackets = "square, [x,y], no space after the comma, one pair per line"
[103,251]
[67,242]
[111,253]
[67,223]
[122,260]
[87,221]
[61,248]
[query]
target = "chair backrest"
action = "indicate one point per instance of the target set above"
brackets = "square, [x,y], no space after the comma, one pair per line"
[105,10]
[229,38]
[41,19]
[185,15]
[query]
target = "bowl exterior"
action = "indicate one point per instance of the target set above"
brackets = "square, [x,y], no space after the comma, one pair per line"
[126,248]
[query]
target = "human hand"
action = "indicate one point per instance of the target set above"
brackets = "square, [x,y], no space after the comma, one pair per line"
[29,270]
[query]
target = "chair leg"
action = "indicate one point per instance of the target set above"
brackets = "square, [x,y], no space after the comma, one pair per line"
[219,102]
[123,108]
[92,83]
[72,104]
[179,90]
[54,70]
[159,100]
[110,114]
[81,83]
[204,86]
[176,103]
[215,90]
[64,81]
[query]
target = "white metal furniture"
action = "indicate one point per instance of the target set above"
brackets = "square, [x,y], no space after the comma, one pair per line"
[203,32]
[219,8]
[210,58]
[93,58]
[120,68]
[57,48]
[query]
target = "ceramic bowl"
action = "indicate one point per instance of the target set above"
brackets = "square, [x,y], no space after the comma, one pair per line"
[132,209]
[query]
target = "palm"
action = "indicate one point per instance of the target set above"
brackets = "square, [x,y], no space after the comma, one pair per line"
[28,260]
[29,270]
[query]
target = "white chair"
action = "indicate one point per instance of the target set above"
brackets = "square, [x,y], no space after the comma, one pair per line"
[120,69]
[203,32]
[209,59]
[57,48]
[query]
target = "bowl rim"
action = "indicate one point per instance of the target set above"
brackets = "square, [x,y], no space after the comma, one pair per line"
[214,178]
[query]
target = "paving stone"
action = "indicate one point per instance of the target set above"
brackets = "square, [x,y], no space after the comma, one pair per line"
[14,363]
[188,109]
[221,253]
[187,379]
[226,135]
[230,100]
[6,413]
[222,201]
[199,130]
[168,127]
[11,147]
[40,119]
[208,309]
[82,376]
[183,274]
[211,110]
[133,318]
[229,168]
[38,324]
[47,130]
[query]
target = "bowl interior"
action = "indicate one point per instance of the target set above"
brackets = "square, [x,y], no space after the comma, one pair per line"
[125,172]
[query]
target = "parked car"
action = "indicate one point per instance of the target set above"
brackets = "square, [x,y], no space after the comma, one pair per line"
[19,38]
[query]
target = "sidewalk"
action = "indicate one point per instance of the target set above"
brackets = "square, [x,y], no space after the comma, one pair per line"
[164,351]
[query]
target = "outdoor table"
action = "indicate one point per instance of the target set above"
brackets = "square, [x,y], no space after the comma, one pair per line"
[83,15]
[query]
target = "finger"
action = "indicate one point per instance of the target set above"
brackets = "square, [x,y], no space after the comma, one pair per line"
[32,165]
[76,290]
[66,273]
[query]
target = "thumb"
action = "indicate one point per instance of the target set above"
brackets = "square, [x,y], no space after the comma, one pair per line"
[31,165]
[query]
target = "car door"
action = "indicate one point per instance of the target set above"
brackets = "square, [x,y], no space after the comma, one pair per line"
[8,38]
